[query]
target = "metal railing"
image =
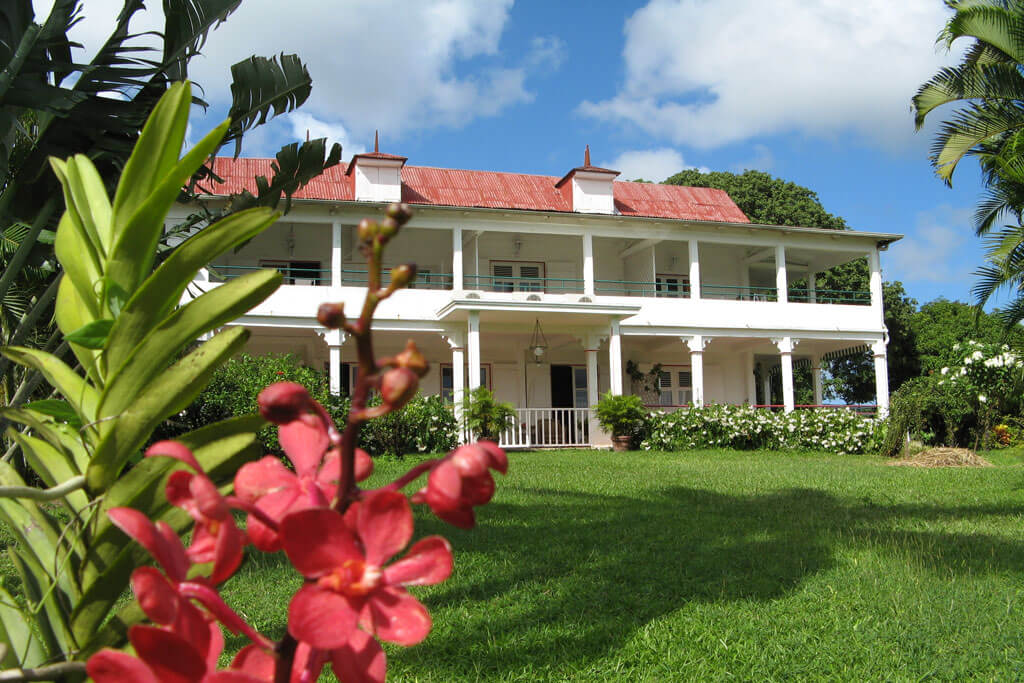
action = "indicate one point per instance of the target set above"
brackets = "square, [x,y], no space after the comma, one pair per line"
[547,428]
[831,296]
[495,283]
[739,293]
[321,277]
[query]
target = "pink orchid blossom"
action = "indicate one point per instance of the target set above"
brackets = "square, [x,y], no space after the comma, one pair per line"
[461,481]
[216,537]
[277,491]
[344,556]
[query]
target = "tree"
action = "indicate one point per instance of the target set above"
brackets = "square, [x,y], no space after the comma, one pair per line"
[764,198]
[940,324]
[53,106]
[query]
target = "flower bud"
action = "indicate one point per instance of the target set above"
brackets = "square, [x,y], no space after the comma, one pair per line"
[367,230]
[402,275]
[398,386]
[331,316]
[388,229]
[399,212]
[284,402]
[411,358]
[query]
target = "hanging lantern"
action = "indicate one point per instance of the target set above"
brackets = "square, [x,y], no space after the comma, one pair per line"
[539,343]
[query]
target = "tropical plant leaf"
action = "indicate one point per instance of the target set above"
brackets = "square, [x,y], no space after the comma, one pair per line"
[92,335]
[261,85]
[187,24]
[172,391]
[23,648]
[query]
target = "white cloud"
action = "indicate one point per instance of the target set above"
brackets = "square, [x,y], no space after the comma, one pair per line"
[303,123]
[940,248]
[650,164]
[392,65]
[547,52]
[762,160]
[712,73]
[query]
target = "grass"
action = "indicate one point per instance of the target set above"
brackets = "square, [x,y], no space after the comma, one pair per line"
[716,565]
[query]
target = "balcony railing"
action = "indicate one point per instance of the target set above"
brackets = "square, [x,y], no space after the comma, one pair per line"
[494,283]
[321,277]
[832,296]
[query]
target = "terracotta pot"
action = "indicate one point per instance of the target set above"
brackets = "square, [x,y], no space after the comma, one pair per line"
[620,443]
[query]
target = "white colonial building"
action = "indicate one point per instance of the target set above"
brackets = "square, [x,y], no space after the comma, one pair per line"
[552,290]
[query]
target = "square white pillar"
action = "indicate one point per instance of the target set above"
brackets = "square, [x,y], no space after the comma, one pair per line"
[474,349]
[881,377]
[816,376]
[335,339]
[785,346]
[766,386]
[588,264]
[696,344]
[457,276]
[781,278]
[694,269]
[875,282]
[457,341]
[615,359]
[336,254]
[812,288]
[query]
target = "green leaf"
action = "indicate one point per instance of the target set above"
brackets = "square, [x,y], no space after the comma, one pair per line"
[48,616]
[261,84]
[63,437]
[139,219]
[56,408]
[92,335]
[72,314]
[162,290]
[172,391]
[52,465]
[23,648]
[70,384]
[209,311]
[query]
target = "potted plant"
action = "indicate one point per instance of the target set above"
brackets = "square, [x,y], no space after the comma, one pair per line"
[486,417]
[622,416]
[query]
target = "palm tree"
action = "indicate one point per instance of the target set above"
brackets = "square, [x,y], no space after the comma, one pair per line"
[51,105]
[988,83]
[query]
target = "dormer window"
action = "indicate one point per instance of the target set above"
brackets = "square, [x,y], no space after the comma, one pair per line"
[377,176]
[589,187]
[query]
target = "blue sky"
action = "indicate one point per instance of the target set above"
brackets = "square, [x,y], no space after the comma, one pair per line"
[813,91]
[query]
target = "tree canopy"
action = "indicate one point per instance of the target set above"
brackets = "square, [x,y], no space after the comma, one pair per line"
[765,198]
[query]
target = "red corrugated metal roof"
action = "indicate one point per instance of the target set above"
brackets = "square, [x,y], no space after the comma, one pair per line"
[493,190]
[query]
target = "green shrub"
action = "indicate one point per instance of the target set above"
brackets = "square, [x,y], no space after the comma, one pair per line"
[933,412]
[744,427]
[233,389]
[621,415]
[486,417]
[425,425]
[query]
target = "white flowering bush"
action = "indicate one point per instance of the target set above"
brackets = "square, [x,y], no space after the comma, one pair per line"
[991,374]
[838,430]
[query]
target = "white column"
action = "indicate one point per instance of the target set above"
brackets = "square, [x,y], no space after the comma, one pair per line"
[615,360]
[875,282]
[334,339]
[751,380]
[696,343]
[816,376]
[474,349]
[781,279]
[457,341]
[766,386]
[786,345]
[588,264]
[745,280]
[812,287]
[881,377]
[590,352]
[336,254]
[694,270]
[457,278]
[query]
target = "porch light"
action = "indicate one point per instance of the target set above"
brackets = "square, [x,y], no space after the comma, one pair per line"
[539,343]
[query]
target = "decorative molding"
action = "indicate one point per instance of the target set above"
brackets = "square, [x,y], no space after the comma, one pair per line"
[455,337]
[785,344]
[878,348]
[333,338]
[696,342]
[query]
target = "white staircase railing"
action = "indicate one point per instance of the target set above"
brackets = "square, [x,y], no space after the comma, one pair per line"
[548,428]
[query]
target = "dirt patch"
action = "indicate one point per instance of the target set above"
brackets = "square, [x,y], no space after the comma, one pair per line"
[943,457]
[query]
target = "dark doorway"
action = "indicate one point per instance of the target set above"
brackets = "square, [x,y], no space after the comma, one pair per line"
[561,386]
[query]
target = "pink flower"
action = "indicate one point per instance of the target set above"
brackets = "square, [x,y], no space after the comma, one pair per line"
[277,491]
[216,538]
[344,558]
[462,481]
[166,657]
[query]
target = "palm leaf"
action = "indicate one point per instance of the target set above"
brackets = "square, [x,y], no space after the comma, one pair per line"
[260,85]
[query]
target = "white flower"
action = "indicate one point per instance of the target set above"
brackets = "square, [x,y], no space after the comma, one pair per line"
[982,398]
[944,371]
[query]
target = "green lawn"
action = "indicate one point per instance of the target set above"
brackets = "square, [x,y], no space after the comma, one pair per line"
[717,565]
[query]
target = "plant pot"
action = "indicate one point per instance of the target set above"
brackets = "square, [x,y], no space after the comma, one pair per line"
[620,443]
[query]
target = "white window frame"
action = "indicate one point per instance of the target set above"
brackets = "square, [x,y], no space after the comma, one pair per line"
[516,282]
[448,369]
[663,282]
[678,393]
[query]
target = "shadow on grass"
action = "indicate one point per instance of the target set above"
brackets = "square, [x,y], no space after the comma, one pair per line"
[570,578]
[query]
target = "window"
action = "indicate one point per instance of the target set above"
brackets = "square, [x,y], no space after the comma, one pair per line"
[448,380]
[669,285]
[579,387]
[675,388]
[514,276]
[297,272]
